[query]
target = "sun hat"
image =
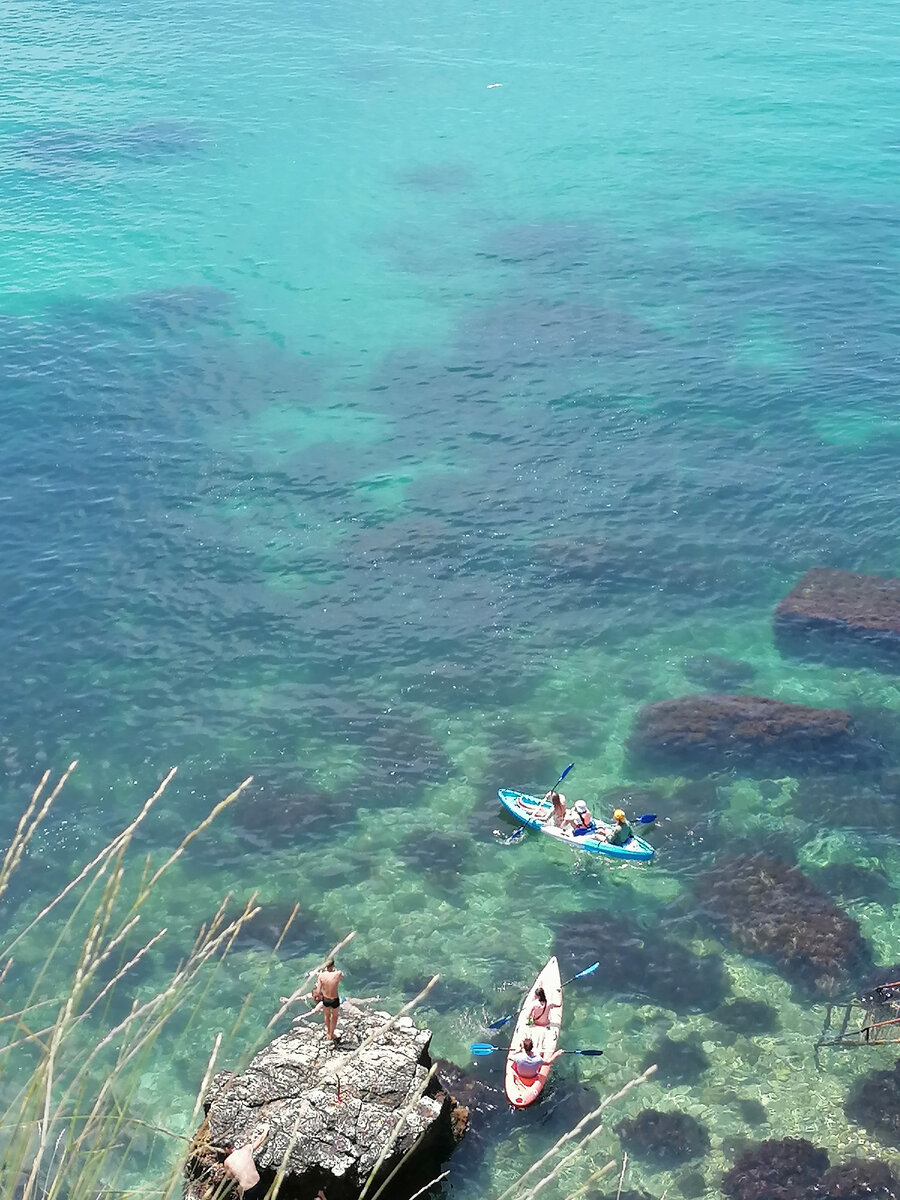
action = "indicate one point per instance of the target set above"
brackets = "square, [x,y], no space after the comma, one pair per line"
[618,815]
[580,806]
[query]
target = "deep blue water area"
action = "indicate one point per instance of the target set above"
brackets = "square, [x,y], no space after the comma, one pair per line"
[397,401]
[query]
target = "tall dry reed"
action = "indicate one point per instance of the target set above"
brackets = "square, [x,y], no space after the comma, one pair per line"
[71,1070]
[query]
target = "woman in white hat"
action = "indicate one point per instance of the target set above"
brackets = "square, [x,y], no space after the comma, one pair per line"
[582,822]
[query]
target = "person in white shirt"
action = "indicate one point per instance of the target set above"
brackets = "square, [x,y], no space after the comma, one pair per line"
[527,1063]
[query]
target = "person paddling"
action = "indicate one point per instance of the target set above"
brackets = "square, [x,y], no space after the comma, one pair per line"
[620,832]
[528,1064]
[539,1014]
[558,815]
[582,822]
[540,1010]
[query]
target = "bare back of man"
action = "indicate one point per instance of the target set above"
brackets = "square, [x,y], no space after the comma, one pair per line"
[240,1165]
[327,985]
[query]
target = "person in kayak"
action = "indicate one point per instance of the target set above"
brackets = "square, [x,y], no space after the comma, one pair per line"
[539,1015]
[620,832]
[540,1010]
[558,815]
[581,819]
[527,1063]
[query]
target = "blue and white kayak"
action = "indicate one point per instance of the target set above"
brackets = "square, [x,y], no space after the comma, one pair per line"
[532,811]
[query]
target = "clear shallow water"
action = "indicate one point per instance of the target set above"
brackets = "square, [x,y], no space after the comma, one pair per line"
[394,437]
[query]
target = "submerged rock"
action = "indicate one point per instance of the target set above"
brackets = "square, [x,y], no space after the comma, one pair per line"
[795,1169]
[758,730]
[663,1137]
[881,987]
[841,609]
[677,1060]
[767,907]
[858,1179]
[717,673]
[747,1016]
[853,882]
[331,1110]
[752,1111]
[640,962]
[874,1103]
[786,1169]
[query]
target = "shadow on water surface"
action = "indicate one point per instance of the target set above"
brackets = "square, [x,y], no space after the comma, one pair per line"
[148,142]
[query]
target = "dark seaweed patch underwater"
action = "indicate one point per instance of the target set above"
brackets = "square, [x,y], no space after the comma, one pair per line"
[388,538]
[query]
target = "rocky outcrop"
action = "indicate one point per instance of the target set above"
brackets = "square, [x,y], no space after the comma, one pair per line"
[714,730]
[766,907]
[331,1109]
[832,610]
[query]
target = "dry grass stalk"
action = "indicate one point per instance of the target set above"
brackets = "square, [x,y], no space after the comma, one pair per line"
[61,1141]
[591,1180]
[186,841]
[622,1176]
[25,831]
[433,1183]
[407,1108]
[110,849]
[195,1113]
[573,1133]
[563,1163]
[281,1172]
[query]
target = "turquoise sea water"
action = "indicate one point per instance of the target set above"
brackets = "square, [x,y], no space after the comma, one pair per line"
[398,398]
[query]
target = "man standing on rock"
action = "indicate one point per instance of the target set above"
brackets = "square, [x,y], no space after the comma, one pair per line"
[326,992]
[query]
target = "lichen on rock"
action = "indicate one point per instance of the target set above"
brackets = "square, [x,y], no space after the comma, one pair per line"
[331,1109]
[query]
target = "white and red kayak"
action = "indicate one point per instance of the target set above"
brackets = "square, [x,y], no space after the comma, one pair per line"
[522,1092]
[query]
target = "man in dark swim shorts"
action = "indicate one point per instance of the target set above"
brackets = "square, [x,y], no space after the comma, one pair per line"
[326,991]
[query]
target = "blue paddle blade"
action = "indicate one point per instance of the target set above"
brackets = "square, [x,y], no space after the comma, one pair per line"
[587,970]
[499,1023]
[646,819]
[565,772]
[512,838]
[482,1049]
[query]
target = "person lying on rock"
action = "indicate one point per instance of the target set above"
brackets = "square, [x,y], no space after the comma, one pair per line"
[240,1165]
[527,1063]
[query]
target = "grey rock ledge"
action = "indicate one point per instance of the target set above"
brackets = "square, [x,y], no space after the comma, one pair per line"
[339,1103]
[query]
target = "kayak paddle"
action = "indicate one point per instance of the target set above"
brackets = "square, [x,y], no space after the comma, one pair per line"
[646,819]
[581,974]
[501,1021]
[512,838]
[520,833]
[483,1049]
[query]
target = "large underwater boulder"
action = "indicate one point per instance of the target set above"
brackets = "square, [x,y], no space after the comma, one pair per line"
[830,609]
[723,729]
[331,1109]
[767,907]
